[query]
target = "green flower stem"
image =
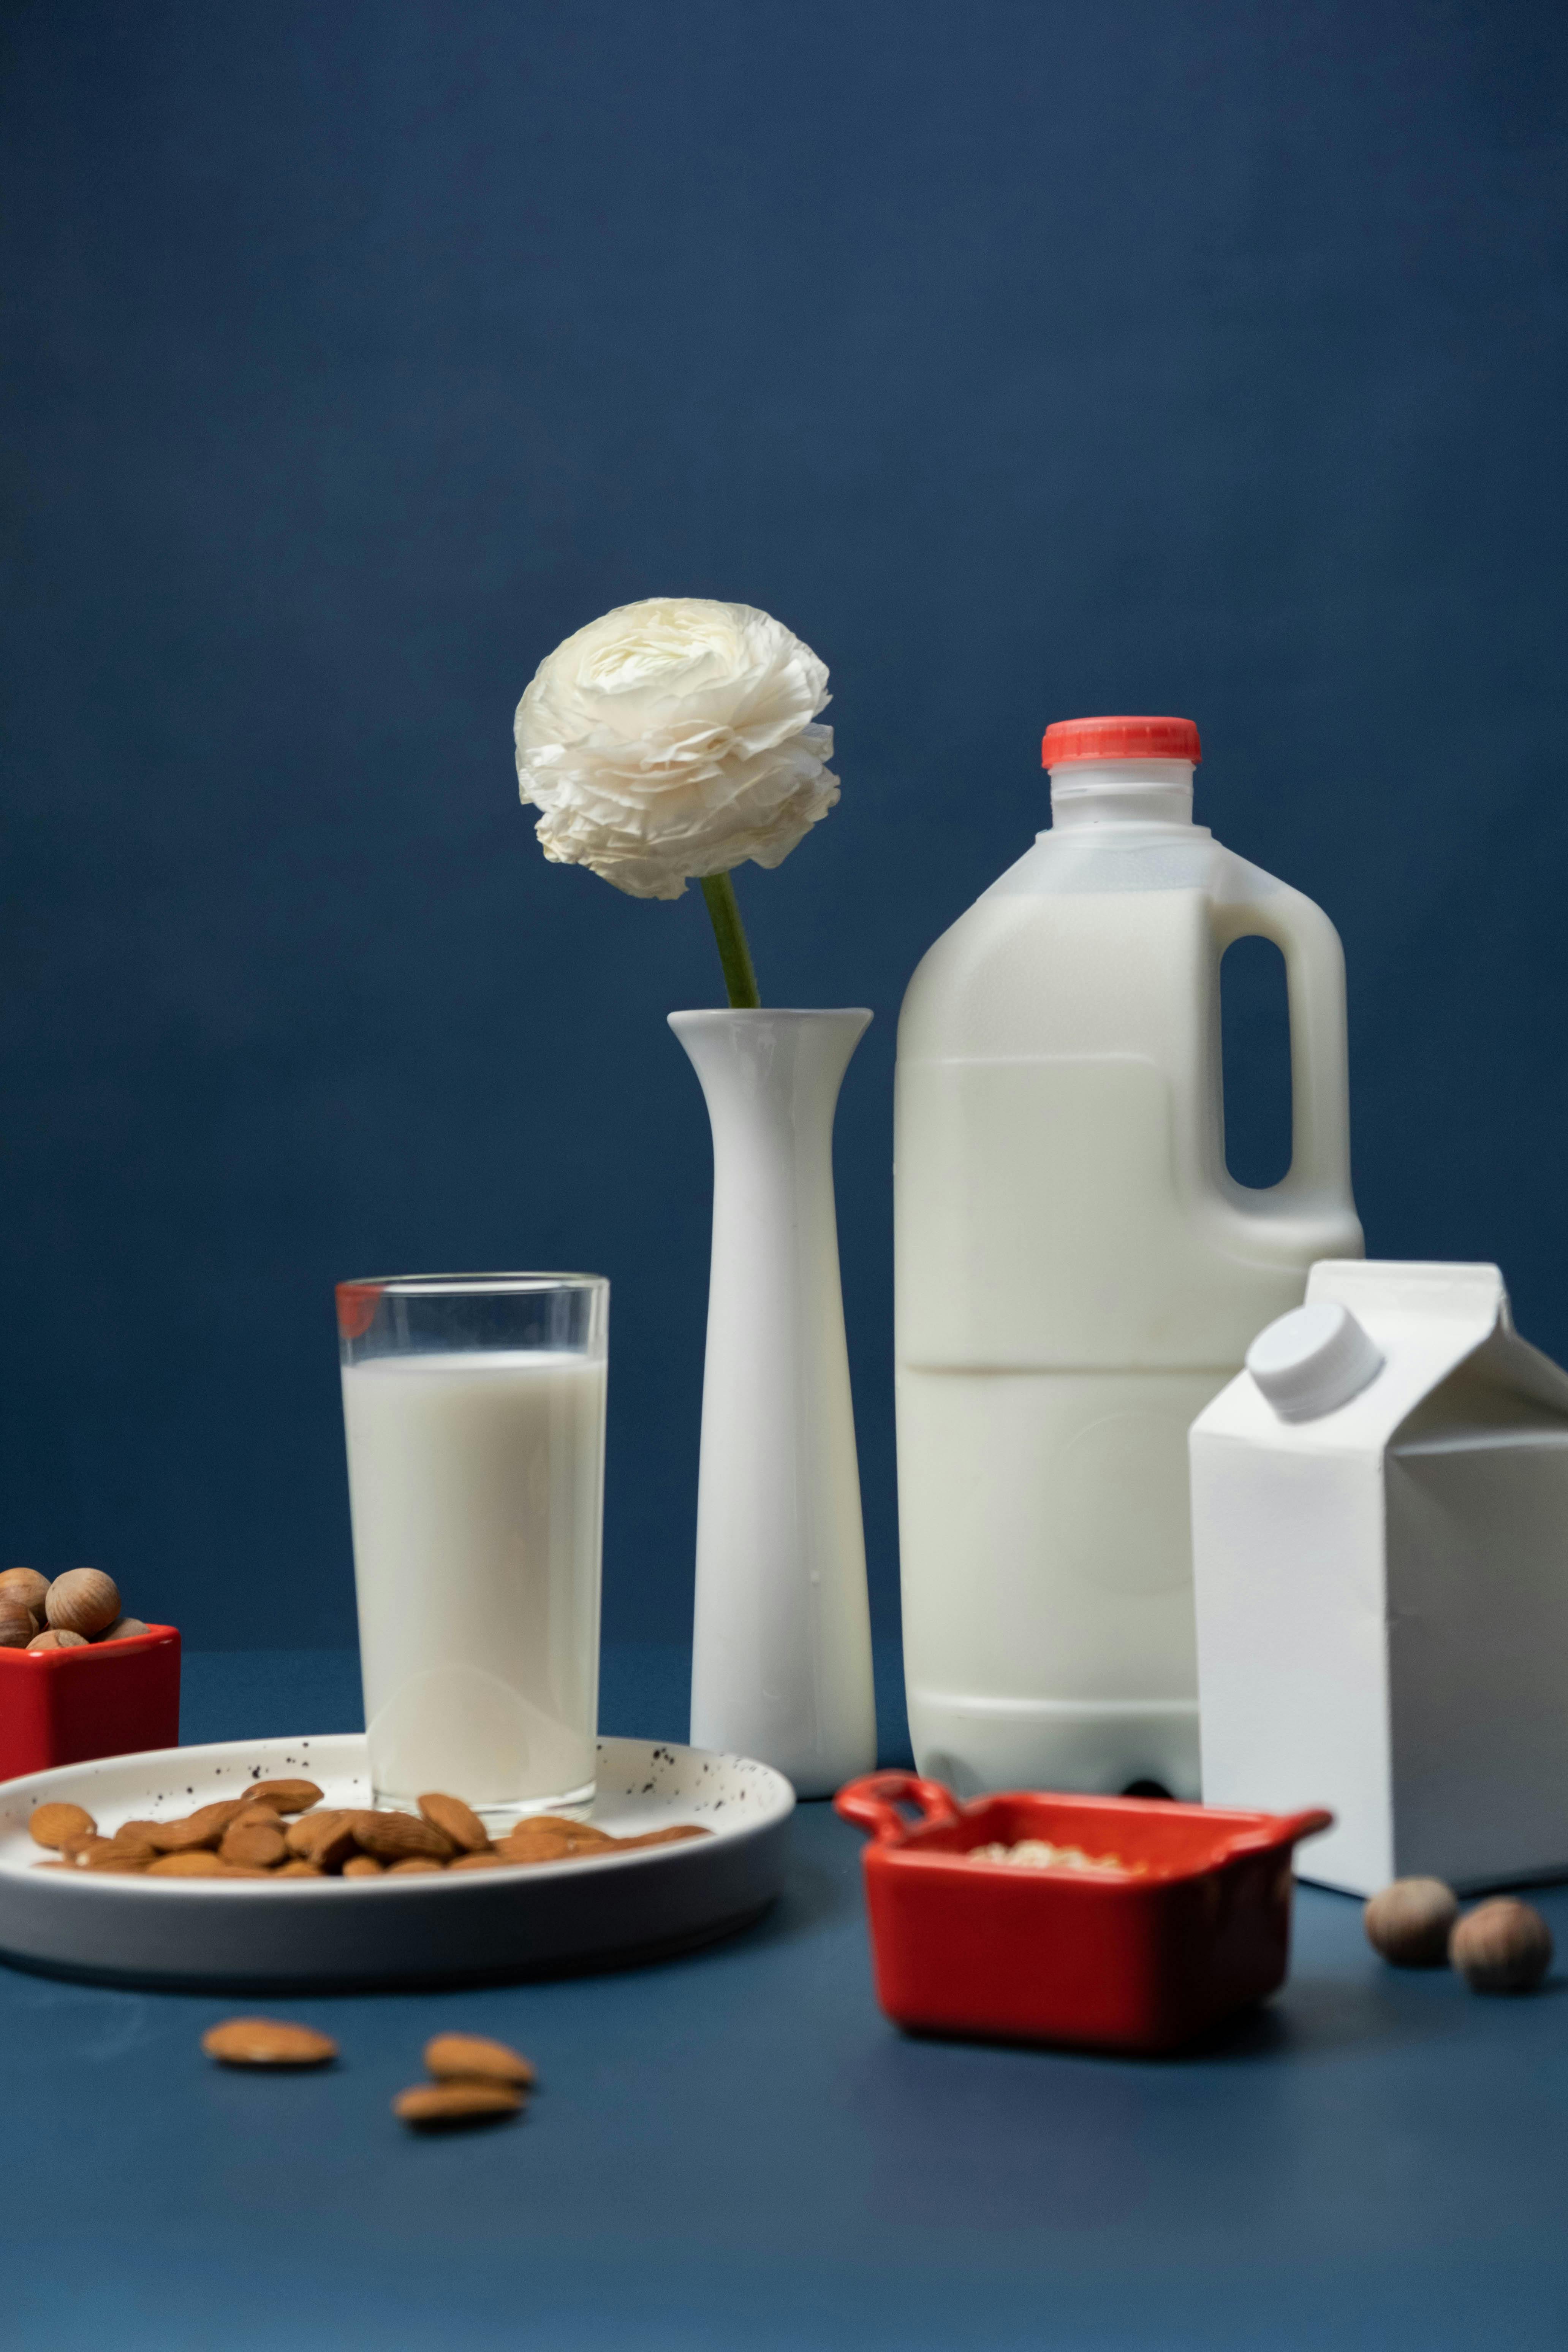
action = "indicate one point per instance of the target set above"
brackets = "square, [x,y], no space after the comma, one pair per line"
[740,974]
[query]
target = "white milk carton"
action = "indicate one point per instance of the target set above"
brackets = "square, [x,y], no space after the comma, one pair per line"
[1380,1547]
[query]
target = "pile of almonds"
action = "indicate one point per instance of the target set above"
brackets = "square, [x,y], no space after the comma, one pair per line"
[80,1607]
[472,2079]
[253,1836]
[1502,1945]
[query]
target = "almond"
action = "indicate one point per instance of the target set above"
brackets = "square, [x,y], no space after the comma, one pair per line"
[672,1836]
[413,1863]
[473,2057]
[285,1796]
[193,1862]
[132,1843]
[325,1839]
[478,1861]
[137,1834]
[457,1821]
[363,1866]
[205,1826]
[391,1837]
[77,1849]
[52,1824]
[303,1836]
[257,1845]
[526,1843]
[112,1855]
[562,1825]
[83,1601]
[299,1870]
[436,2106]
[337,1848]
[266,2041]
[257,1817]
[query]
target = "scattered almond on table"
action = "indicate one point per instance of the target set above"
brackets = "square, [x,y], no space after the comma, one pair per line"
[245,1837]
[475,2080]
[80,1607]
[473,2057]
[266,2041]
[436,2106]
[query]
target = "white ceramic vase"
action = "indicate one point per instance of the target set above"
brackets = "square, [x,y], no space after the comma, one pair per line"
[781,1662]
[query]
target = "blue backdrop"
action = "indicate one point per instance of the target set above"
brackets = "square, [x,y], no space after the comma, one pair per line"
[1027,358]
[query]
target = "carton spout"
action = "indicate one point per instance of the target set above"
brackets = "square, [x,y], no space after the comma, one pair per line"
[1314,1361]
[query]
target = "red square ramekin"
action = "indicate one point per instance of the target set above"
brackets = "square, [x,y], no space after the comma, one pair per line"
[1192,1924]
[107,1698]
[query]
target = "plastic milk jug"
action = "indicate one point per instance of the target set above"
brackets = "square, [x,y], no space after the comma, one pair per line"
[1077,1275]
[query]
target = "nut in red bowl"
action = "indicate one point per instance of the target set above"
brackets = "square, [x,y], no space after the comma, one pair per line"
[106,1699]
[1177,1915]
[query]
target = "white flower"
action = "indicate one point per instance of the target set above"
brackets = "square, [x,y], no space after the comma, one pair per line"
[673,738]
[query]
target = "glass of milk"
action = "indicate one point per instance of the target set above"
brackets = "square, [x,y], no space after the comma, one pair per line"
[474,1414]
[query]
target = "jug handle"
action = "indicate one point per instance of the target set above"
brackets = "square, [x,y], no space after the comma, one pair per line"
[1319,1059]
[872,1803]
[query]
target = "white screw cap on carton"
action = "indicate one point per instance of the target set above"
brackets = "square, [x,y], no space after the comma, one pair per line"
[1312,1361]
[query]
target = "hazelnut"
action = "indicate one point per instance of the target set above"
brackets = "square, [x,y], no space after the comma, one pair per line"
[83,1601]
[122,1629]
[1501,1946]
[26,1585]
[17,1624]
[57,1640]
[1409,1922]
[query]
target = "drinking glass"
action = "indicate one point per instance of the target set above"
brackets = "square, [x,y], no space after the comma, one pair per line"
[474,1415]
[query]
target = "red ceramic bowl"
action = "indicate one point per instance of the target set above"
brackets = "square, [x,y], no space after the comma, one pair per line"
[108,1698]
[1191,1924]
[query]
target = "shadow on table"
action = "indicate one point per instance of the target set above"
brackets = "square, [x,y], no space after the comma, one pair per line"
[1319,2016]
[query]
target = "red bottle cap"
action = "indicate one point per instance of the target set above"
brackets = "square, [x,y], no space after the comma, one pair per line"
[1120,739]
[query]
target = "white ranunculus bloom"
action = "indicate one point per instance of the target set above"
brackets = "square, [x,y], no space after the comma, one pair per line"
[674,738]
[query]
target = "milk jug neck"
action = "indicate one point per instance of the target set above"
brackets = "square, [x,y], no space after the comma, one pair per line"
[1090,793]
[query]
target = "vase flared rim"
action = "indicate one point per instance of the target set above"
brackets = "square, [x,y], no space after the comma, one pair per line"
[773,1012]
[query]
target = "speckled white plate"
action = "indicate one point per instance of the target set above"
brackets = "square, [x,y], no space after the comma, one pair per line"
[392,1931]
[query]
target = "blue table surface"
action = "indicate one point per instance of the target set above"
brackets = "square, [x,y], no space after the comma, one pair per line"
[735,2148]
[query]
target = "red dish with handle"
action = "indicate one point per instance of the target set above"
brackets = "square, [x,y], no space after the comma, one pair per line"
[1187,1920]
[106,1699]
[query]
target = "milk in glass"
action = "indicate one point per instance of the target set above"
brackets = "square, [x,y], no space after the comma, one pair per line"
[476,1483]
